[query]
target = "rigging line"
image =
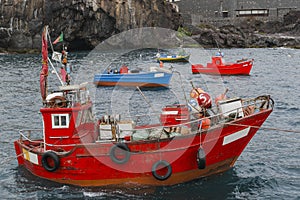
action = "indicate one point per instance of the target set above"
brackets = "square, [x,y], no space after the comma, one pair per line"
[4,161]
[145,98]
[265,128]
[181,82]
[49,38]
[55,71]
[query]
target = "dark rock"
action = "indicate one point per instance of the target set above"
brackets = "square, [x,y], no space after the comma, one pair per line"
[19,40]
[37,41]
[292,17]
[85,23]
[250,32]
[4,38]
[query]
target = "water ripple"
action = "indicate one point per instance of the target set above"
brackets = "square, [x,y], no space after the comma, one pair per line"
[267,169]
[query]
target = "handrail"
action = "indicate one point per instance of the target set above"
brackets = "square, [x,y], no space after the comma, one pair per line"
[28,137]
[220,115]
[261,102]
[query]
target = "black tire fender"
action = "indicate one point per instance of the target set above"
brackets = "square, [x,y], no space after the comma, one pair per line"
[201,158]
[159,165]
[125,150]
[50,155]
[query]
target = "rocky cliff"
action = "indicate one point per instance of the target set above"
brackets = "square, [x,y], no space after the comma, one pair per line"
[84,23]
[250,32]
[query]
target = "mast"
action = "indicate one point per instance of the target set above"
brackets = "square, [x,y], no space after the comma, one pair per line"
[44,70]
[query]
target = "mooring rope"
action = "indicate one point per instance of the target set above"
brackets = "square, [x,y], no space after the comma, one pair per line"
[8,159]
[265,128]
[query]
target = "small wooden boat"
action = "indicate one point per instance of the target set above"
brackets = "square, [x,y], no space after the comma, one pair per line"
[218,67]
[156,77]
[173,58]
[73,147]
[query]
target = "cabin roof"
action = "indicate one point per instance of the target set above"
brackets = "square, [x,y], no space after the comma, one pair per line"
[72,87]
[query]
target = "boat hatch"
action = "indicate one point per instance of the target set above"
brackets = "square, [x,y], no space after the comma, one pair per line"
[174,115]
[118,130]
[231,106]
[106,132]
[124,129]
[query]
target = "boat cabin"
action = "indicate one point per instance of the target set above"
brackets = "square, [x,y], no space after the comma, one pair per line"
[216,61]
[68,118]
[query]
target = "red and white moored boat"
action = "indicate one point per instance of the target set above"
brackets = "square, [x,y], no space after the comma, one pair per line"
[218,67]
[74,148]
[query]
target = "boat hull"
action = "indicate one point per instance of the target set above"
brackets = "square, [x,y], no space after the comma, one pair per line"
[91,164]
[174,58]
[151,79]
[240,68]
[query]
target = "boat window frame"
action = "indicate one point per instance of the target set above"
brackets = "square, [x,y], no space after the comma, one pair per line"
[59,117]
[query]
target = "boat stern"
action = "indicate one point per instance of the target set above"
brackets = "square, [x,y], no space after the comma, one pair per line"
[196,68]
[19,153]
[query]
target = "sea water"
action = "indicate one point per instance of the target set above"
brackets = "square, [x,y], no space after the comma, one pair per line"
[269,167]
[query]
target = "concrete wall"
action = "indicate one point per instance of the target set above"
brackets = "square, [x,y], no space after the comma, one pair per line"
[211,9]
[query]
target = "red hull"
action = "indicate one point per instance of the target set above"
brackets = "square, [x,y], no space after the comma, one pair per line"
[238,68]
[91,164]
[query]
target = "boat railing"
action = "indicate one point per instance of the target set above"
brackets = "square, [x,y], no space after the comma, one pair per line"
[68,100]
[254,104]
[216,118]
[31,134]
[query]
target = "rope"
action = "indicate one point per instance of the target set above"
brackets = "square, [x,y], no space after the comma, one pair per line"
[181,83]
[145,98]
[5,161]
[265,128]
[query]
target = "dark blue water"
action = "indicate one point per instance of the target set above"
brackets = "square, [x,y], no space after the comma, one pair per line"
[269,168]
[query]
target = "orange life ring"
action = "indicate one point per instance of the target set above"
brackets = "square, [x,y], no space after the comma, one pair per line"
[58,102]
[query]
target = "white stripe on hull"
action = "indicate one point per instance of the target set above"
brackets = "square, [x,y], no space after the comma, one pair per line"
[235,136]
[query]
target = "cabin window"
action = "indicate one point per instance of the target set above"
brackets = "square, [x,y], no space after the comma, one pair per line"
[60,121]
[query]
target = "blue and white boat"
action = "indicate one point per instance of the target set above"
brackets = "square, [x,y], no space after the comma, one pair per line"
[156,77]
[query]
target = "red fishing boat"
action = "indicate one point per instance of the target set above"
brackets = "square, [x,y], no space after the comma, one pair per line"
[218,67]
[192,141]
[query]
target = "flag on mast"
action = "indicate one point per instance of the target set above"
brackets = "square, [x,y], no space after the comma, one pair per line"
[44,71]
[59,39]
